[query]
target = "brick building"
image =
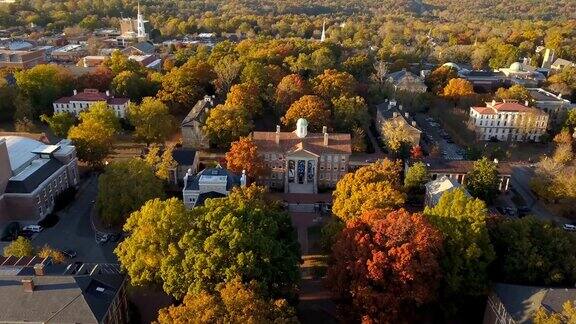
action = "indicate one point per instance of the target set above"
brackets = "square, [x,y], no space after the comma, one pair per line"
[81,101]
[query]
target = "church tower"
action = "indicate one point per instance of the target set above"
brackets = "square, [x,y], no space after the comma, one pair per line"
[323,37]
[141,26]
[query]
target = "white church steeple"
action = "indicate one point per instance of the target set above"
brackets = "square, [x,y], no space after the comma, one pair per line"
[323,37]
[141,25]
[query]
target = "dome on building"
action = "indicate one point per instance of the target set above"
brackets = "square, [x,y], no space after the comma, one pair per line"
[452,65]
[516,67]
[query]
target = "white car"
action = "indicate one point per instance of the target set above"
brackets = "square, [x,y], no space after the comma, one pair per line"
[33,228]
[569,227]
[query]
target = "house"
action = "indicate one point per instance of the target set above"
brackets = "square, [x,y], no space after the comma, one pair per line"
[81,101]
[508,121]
[560,64]
[436,188]
[33,290]
[149,61]
[192,134]
[390,113]
[554,105]
[186,159]
[92,61]
[32,175]
[406,81]
[459,169]
[209,183]
[140,48]
[302,162]
[518,304]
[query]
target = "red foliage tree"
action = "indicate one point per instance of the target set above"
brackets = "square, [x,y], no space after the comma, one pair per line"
[385,266]
[243,156]
[416,152]
[291,88]
[99,79]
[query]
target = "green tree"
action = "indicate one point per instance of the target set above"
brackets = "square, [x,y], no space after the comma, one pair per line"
[123,188]
[350,113]
[60,123]
[483,181]
[376,186]
[533,252]
[95,134]
[152,120]
[243,235]
[183,86]
[468,251]
[119,63]
[503,56]
[21,247]
[515,92]
[129,84]
[43,84]
[226,124]
[416,177]
[153,234]
[233,302]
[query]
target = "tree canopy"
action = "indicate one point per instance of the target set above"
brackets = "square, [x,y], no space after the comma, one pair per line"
[19,248]
[243,156]
[152,120]
[483,181]
[376,186]
[311,108]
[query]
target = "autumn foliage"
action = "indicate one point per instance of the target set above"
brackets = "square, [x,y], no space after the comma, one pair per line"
[312,108]
[385,265]
[243,156]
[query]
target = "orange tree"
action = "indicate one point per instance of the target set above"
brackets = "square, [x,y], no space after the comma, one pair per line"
[246,95]
[312,108]
[385,266]
[456,89]
[291,88]
[243,155]
[334,84]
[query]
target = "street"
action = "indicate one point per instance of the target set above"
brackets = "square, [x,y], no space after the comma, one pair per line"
[74,230]
[434,132]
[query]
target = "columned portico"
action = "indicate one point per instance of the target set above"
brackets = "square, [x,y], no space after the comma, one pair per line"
[301,173]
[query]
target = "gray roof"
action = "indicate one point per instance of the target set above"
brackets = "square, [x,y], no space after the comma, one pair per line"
[59,298]
[184,156]
[521,302]
[399,75]
[197,113]
[232,180]
[32,181]
[145,47]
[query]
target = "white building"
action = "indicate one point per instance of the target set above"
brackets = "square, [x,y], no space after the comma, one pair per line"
[508,121]
[32,175]
[436,188]
[81,101]
[209,183]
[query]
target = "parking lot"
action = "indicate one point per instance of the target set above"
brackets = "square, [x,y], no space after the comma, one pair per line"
[434,135]
[74,230]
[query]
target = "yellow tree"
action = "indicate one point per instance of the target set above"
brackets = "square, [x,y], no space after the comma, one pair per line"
[376,186]
[456,89]
[395,134]
[334,84]
[233,302]
[243,155]
[568,315]
[152,120]
[226,124]
[311,108]
[247,96]
[95,134]
[19,248]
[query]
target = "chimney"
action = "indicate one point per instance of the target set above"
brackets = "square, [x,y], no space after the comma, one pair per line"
[526,103]
[243,179]
[407,115]
[493,102]
[324,129]
[326,139]
[277,137]
[75,92]
[559,96]
[107,93]
[399,107]
[28,285]
[188,174]
[495,161]
[414,123]
[394,114]
[39,269]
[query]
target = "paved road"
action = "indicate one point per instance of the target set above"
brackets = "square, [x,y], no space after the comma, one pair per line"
[521,176]
[449,151]
[74,230]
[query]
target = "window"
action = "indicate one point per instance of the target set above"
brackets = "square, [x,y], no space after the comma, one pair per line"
[343,158]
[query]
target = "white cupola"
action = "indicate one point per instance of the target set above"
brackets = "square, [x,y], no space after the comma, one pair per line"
[301,128]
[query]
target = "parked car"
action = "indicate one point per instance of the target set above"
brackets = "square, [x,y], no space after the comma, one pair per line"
[33,228]
[569,227]
[523,211]
[70,254]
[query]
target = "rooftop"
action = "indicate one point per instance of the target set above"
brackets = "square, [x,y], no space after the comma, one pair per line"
[212,176]
[313,142]
[461,166]
[92,95]
[540,94]
[506,106]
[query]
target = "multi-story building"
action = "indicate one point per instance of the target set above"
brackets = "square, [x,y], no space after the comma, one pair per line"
[134,29]
[406,81]
[81,101]
[69,53]
[193,136]
[33,290]
[391,114]
[508,121]
[554,105]
[301,162]
[32,175]
[22,59]
[209,183]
